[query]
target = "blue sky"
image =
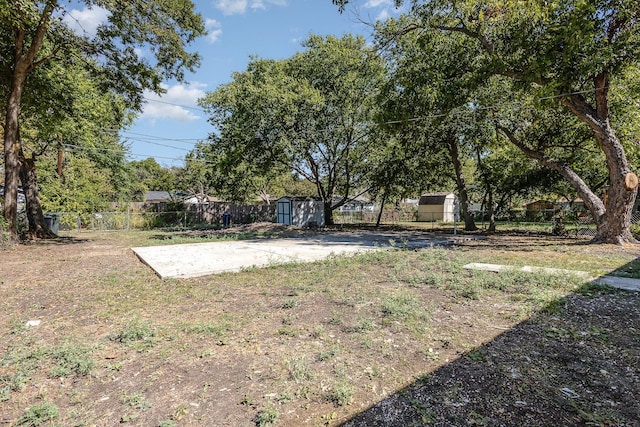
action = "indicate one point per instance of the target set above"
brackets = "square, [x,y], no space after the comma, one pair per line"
[171,124]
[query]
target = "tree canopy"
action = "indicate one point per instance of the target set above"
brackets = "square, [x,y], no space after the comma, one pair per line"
[311,113]
[34,34]
[573,54]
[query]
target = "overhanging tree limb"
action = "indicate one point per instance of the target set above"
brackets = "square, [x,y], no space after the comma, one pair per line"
[593,202]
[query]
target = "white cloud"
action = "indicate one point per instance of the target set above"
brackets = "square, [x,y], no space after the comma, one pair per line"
[232,7]
[383,15]
[377,3]
[171,105]
[87,20]
[213,27]
[385,8]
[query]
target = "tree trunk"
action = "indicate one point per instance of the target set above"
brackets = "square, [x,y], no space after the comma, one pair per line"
[492,210]
[382,203]
[11,158]
[469,222]
[3,236]
[37,226]
[23,57]
[613,220]
[614,226]
[328,213]
[613,216]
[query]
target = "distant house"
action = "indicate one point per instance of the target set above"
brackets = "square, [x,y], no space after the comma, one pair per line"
[438,207]
[300,211]
[577,205]
[357,204]
[158,201]
[540,209]
[539,206]
[202,200]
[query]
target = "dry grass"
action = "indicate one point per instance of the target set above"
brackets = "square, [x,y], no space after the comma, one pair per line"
[301,344]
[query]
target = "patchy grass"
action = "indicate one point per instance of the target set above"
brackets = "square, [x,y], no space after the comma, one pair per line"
[316,344]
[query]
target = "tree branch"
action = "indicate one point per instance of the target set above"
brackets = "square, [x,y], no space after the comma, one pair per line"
[593,202]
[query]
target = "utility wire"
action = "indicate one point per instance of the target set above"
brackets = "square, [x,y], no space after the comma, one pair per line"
[436,116]
[161,145]
[80,148]
[175,105]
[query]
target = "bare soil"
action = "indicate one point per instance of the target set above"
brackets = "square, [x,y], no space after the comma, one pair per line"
[314,344]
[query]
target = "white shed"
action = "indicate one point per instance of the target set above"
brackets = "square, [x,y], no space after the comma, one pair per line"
[438,207]
[300,211]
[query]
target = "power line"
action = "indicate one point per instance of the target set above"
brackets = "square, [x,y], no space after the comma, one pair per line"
[161,145]
[163,138]
[495,106]
[167,139]
[80,148]
[175,105]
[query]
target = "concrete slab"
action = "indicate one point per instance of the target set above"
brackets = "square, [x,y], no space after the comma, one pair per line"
[529,269]
[200,259]
[624,283]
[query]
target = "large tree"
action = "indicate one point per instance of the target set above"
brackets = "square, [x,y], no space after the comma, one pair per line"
[34,34]
[425,102]
[63,109]
[312,114]
[576,53]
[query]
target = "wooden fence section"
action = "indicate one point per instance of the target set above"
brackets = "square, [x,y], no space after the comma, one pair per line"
[240,214]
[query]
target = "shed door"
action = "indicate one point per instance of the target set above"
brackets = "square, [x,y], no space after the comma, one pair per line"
[284,212]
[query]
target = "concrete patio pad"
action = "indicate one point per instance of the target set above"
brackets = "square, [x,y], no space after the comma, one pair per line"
[624,283]
[200,259]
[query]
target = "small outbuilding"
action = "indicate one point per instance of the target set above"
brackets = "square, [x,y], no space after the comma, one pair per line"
[300,211]
[441,207]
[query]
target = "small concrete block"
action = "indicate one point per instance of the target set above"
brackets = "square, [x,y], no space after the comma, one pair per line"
[624,283]
[496,268]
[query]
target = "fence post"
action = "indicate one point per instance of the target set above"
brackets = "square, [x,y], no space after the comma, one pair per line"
[128,217]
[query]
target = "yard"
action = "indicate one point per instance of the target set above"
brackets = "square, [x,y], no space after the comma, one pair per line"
[394,337]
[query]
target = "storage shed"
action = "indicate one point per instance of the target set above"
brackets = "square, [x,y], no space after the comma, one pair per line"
[438,207]
[300,211]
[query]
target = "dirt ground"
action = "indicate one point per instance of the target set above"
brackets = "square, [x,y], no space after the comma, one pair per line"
[294,347]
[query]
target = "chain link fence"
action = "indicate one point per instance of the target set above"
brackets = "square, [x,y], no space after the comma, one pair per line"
[191,216]
[572,225]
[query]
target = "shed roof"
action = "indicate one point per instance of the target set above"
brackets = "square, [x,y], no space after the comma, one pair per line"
[434,198]
[301,198]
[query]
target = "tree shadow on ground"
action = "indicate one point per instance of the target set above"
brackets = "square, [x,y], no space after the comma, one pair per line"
[54,241]
[575,363]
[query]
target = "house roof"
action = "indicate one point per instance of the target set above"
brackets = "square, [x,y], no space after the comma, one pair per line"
[162,196]
[540,202]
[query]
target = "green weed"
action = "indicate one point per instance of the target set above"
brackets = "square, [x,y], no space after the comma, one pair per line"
[323,356]
[136,334]
[288,331]
[299,369]
[341,394]
[38,414]
[71,358]
[215,330]
[267,416]
[290,303]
